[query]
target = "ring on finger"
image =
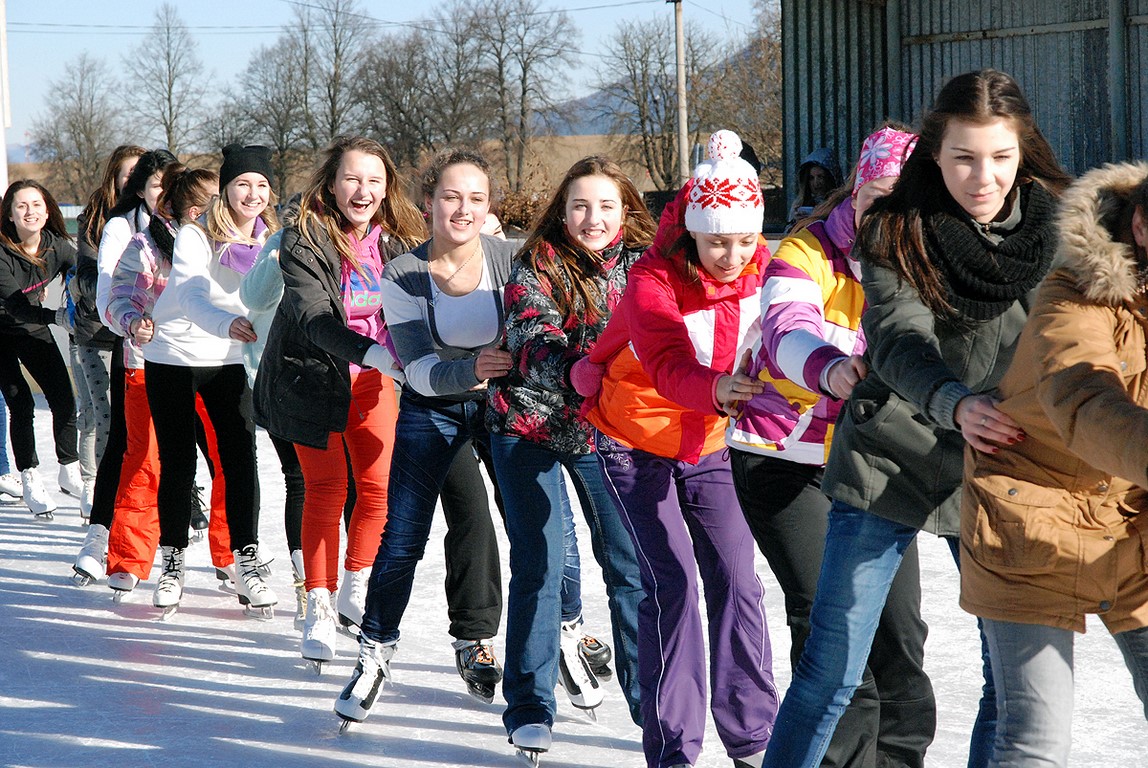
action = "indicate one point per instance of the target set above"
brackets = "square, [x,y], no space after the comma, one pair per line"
[984,420]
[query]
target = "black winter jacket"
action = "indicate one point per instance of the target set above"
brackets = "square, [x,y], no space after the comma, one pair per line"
[303,388]
[90,329]
[22,282]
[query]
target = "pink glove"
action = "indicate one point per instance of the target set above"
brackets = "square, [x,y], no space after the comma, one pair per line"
[586,377]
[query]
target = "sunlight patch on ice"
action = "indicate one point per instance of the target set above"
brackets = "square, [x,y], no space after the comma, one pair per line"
[12,701]
[214,711]
[86,741]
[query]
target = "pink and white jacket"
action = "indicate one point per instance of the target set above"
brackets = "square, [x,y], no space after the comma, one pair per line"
[811,307]
[137,281]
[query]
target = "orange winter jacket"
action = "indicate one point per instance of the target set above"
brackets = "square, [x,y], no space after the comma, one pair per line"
[667,344]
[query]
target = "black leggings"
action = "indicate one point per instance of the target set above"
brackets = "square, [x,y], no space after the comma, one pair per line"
[112,462]
[171,391]
[44,363]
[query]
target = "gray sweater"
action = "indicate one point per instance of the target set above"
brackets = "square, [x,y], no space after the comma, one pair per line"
[433,368]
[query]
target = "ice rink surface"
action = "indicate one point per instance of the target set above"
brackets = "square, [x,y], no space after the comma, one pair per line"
[85,682]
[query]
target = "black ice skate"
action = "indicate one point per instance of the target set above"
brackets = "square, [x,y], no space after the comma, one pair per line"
[598,655]
[478,668]
[199,520]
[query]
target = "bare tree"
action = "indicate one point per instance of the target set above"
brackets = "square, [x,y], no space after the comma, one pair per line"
[80,128]
[273,100]
[420,108]
[329,39]
[169,83]
[744,92]
[640,89]
[524,50]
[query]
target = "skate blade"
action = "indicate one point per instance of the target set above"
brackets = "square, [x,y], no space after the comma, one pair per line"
[528,756]
[81,579]
[316,665]
[45,517]
[169,612]
[196,535]
[485,695]
[345,725]
[119,594]
[262,612]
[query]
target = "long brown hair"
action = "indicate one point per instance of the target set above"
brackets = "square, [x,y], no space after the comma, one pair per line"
[318,211]
[566,267]
[95,213]
[183,188]
[892,235]
[55,223]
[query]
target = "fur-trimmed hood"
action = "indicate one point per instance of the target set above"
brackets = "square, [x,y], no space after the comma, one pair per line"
[1105,269]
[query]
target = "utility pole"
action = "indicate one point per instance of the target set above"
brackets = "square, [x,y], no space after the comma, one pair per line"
[683,112]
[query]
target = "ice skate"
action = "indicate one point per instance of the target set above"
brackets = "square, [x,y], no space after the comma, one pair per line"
[10,485]
[36,495]
[531,742]
[199,520]
[169,588]
[254,594]
[225,575]
[300,589]
[477,666]
[575,673]
[87,498]
[122,584]
[352,599]
[597,654]
[319,632]
[71,482]
[89,565]
[372,672]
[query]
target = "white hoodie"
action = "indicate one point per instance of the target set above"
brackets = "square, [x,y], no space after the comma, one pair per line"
[194,313]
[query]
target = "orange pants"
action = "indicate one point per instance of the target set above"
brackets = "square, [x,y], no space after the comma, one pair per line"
[369,438]
[134,536]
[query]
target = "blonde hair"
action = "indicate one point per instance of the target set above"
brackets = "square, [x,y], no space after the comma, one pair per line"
[220,226]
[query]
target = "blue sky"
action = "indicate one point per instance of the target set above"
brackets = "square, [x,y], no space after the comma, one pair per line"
[44,34]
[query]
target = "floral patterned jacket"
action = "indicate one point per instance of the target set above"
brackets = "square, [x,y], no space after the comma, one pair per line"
[535,401]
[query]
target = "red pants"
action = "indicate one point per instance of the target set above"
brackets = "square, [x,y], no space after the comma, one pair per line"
[369,438]
[134,535]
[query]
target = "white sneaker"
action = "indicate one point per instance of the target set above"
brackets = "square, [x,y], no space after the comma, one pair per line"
[71,482]
[10,484]
[319,631]
[86,499]
[123,582]
[36,495]
[249,583]
[352,600]
[93,554]
[169,588]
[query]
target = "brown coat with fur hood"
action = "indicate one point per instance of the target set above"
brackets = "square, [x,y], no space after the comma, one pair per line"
[1051,528]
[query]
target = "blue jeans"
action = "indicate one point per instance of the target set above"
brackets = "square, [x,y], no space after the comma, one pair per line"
[530,476]
[862,555]
[1033,667]
[985,726]
[428,436]
[5,467]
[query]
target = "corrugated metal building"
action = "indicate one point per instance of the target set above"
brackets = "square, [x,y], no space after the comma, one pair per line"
[848,64]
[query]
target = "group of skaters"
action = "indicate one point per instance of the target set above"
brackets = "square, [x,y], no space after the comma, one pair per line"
[955,339]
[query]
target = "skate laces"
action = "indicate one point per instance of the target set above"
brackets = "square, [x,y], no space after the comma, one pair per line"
[478,655]
[173,562]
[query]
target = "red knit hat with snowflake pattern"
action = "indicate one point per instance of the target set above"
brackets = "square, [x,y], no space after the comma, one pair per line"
[725,198]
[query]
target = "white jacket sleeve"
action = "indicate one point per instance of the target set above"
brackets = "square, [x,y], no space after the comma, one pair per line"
[117,234]
[192,282]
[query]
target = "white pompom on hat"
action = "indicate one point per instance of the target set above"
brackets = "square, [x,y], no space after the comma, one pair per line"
[725,198]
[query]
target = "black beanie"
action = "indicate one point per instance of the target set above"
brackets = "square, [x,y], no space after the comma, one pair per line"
[238,160]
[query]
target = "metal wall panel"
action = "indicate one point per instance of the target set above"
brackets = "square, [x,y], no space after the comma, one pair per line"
[841,60]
